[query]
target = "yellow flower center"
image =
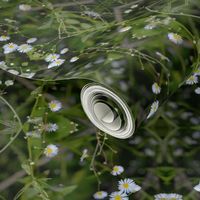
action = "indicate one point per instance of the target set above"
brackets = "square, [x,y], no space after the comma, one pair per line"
[126,185]
[115,169]
[4,37]
[53,105]
[11,46]
[99,193]
[118,197]
[177,37]
[157,86]
[192,78]
[49,150]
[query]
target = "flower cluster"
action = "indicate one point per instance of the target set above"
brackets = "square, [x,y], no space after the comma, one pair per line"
[125,187]
[12,47]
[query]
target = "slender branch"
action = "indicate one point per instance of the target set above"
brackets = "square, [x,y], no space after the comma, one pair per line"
[19,121]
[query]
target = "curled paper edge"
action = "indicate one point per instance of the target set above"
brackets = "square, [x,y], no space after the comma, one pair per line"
[88,98]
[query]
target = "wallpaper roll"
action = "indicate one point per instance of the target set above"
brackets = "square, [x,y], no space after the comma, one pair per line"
[132,67]
[107,111]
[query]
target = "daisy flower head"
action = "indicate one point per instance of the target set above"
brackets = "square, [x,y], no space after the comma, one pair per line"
[51,127]
[117,170]
[24,7]
[24,48]
[55,63]
[124,29]
[100,195]
[55,105]
[9,83]
[154,108]
[51,150]
[52,57]
[74,59]
[118,196]
[63,51]
[175,38]
[31,40]
[156,88]
[197,187]
[197,90]
[172,196]
[9,48]
[4,38]
[128,186]
[192,80]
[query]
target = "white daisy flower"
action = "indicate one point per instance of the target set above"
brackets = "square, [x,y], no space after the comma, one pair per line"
[51,150]
[197,187]
[175,38]
[192,80]
[100,195]
[4,38]
[51,127]
[117,170]
[9,48]
[63,51]
[24,7]
[74,59]
[84,155]
[31,40]
[24,48]
[55,105]
[156,88]
[197,90]
[128,186]
[154,108]
[124,29]
[9,82]
[52,57]
[55,63]
[172,196]
[118,196]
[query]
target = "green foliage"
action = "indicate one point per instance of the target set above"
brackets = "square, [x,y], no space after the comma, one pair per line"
[123,45]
